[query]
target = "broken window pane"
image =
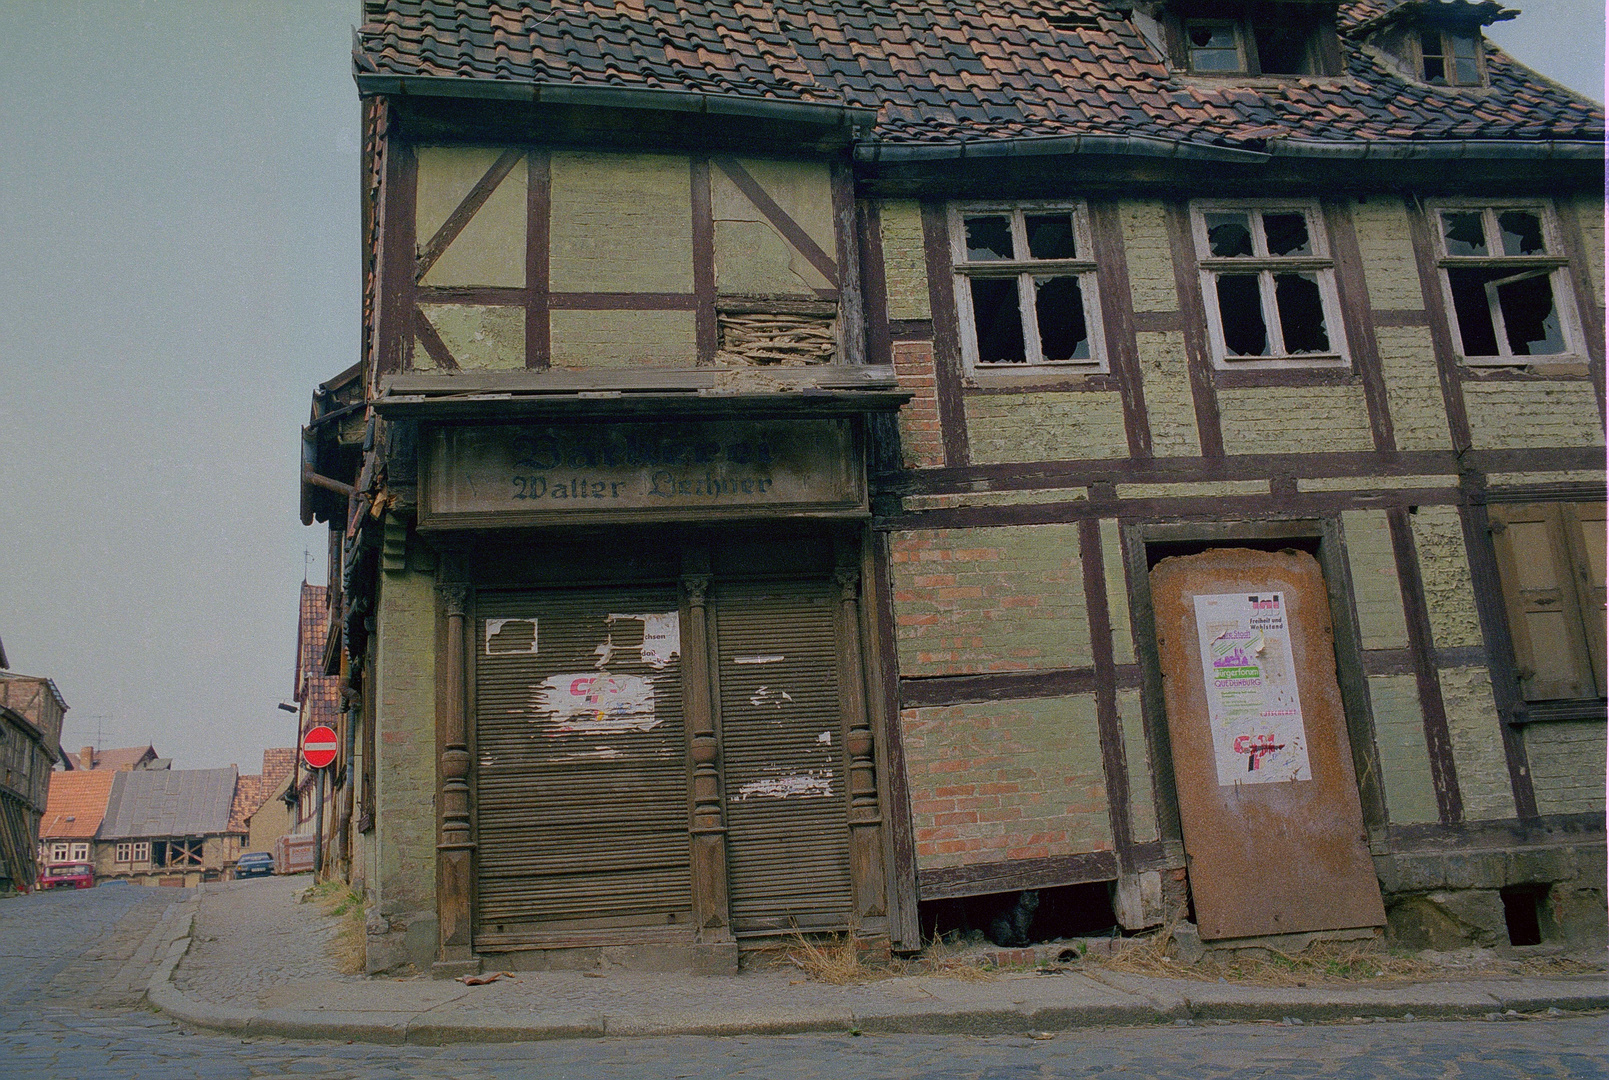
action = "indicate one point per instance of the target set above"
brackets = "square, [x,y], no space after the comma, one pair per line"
[1213,47]
[1463,231]
[998,320]
[1282,49]
[1060,305]
[1529,315]
[1430,51]
[988,239]
[1228,234]
[1301,313]
[1286,234]
[1240,308]
[1522,232]
[1050,236]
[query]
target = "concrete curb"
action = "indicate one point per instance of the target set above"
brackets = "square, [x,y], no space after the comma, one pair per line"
[1133,1001]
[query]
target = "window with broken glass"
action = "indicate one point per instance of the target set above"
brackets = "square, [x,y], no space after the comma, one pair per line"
[1269,286]
[1448,58]
[1507,284]
[1025,288]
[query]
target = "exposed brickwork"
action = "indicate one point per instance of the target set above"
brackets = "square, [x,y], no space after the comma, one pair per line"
[904,264]
[1389,268]
[1150,256]
[405,776]
[921,437]
[1472,722]
[1075,426]
[1294,419]
[1142,797]
[1006,780]
[1169,406]
[996,599]
[1444,566]
[1399,734]
[1506,415]
[1376,590]
[621,223]
[1567,766]
[1413,388]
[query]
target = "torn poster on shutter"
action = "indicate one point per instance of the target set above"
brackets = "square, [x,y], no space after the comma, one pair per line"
[511,636]
[590,702]
[799,786]
[661,637]
[1257,732]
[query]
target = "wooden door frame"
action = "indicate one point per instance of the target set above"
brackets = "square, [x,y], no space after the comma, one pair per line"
[1349,670]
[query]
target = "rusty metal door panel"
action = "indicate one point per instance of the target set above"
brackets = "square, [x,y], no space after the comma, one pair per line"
[581,787]
[1265,857]
[782,744]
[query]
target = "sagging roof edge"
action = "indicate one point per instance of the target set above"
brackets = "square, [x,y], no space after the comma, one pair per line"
[847,116]
[804,112]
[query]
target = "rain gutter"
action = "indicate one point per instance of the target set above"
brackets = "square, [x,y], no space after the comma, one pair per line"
[1132,145]
[614,97]
[1441,149]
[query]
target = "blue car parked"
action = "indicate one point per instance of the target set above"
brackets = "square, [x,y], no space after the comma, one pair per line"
[254,863]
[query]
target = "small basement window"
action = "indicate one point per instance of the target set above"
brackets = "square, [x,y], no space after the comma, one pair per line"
[1506,283]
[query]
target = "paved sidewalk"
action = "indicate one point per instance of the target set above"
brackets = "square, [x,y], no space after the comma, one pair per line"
[246,957]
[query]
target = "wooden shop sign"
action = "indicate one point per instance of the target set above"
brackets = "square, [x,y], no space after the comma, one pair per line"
[518,474]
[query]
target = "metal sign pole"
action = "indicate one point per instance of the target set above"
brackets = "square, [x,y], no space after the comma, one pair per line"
[318,829]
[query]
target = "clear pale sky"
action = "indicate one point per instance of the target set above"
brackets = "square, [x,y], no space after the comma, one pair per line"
[179,216]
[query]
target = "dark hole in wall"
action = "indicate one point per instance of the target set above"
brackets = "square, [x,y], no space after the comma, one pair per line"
[998,320]
[1065,911]
[1283,50]
[1522,905]
[1157,550]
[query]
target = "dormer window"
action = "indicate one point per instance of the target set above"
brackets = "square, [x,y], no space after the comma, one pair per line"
[1450,58]
[1254,39]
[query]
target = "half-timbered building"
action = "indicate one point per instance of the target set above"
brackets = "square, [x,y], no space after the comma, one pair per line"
[834,468]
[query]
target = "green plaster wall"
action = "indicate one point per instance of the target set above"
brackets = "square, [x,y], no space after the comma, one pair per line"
[621,223]
[1477,738]
[1117,592]
[603,339]
[1169,405]
[1510,415]
[1444,568]
[1567,766]
[1376,590]
[1006,780]
[1399,732]
[491,248]
[1004,428]
[1142,800]
[904,261]
[1294,419]
[405,764]
[751,256]
[480,337]
[1389,268]
[1413,388]
[1150,256]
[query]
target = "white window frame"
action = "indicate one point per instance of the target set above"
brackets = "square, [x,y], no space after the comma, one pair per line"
[1025,270]
[80,853]
[1320,263]
[59,850]
[124,853]
[142,851]
[1555,263]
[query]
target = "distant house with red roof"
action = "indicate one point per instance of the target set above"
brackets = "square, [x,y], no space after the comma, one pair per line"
[318,696]
[259,811]
[73,814]
[121,759]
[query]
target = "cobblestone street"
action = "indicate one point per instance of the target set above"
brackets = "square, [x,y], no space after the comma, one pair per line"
[73,963]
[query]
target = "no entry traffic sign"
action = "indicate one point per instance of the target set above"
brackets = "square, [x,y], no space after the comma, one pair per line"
[318,746]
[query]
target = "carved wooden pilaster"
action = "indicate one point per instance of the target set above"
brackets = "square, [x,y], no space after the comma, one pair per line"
[865,815]
[455,849]
[710,900]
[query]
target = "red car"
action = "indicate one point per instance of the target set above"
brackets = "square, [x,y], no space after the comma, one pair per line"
[73,875]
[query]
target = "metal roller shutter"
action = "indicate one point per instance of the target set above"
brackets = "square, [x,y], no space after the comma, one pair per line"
[782,745]
[581,764]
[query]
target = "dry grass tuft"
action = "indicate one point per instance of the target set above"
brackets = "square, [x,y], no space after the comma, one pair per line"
[1323,963]
[837,962]
[348,948]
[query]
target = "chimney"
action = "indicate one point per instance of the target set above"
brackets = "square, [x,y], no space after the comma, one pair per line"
[86,757]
